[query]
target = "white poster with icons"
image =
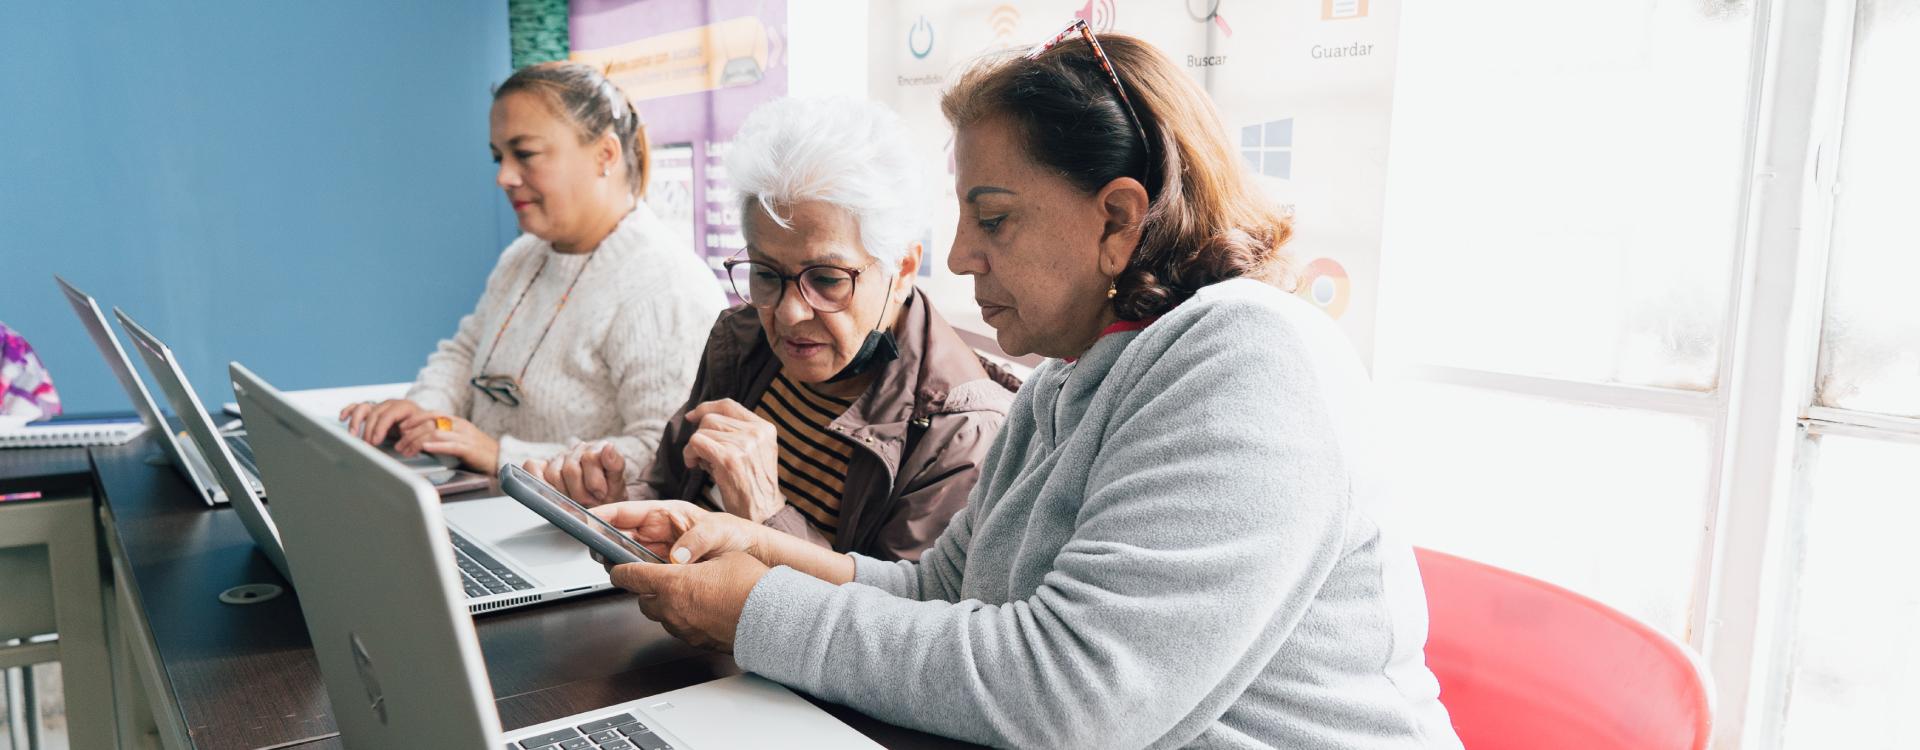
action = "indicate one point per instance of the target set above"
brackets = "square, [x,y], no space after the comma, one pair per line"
[1304,87]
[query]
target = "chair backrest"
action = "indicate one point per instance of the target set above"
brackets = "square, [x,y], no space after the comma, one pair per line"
[1525,664]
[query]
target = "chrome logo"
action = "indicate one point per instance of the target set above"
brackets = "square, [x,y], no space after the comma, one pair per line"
[1324,283]
[921,29]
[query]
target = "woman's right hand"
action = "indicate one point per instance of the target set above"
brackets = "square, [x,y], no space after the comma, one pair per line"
[684,533]
[372,422]
[590,473]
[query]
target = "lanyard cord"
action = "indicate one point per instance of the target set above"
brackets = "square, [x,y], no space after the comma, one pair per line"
[550,321]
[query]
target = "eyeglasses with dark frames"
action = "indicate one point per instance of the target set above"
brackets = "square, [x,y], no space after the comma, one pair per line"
[501,389]
[825,287]
[1080,27]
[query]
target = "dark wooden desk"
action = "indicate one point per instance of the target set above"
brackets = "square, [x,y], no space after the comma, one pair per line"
[46,470]
[244,676]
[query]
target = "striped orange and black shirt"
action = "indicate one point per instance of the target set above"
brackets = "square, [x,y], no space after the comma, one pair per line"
[813,458]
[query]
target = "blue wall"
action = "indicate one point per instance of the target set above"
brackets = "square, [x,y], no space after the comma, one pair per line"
[301,186]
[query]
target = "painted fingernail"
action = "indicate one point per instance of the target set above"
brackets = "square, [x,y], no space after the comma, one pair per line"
[681,555]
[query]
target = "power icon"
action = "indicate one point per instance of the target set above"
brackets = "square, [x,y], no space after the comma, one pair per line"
[920,39]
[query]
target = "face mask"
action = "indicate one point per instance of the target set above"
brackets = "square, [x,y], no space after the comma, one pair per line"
[879,348]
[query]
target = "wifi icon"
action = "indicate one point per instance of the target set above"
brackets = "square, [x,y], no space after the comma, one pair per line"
[1005,20]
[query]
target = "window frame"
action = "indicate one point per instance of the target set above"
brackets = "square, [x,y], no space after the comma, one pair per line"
[1765,421]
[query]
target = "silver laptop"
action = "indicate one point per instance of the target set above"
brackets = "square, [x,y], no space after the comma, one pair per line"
[217,451]
[184,456]
[398,653]
[505,555]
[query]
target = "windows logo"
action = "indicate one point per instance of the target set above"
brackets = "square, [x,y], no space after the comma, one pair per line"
[1268,148]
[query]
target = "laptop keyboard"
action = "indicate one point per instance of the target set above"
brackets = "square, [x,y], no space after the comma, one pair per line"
[243,452]
[480,574]
[618,732]
[242,449]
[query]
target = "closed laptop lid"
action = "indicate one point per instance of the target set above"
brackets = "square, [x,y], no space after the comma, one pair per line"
[378,588]
[186,405]
[95,321]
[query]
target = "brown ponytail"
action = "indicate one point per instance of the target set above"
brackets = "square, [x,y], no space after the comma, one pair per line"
[639,155]
[594,105]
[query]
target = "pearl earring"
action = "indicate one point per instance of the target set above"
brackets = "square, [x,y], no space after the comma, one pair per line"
[604,171]
[1113,290]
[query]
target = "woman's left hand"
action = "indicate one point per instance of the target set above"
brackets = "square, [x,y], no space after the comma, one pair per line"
[699,603]
[424,432]
[741,452]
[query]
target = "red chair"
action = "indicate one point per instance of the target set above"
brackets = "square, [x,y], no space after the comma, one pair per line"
[1527,665]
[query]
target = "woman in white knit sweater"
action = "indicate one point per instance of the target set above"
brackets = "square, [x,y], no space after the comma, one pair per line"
[592,324]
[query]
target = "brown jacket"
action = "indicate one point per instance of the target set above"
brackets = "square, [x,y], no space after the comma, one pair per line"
[919,432]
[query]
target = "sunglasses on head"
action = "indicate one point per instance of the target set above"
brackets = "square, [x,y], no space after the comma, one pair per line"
[1079,26]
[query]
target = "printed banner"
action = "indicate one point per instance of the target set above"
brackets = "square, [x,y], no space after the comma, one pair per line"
[694,69]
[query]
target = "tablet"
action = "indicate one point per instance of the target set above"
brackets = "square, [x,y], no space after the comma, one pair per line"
[562,511]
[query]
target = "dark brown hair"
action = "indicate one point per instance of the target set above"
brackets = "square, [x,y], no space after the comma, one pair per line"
[1206,222]
[593,104]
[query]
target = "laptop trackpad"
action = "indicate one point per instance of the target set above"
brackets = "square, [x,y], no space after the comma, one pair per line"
[541,547]
[709,715]
[505,525]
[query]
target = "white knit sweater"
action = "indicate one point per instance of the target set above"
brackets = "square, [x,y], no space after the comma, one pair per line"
[618,361]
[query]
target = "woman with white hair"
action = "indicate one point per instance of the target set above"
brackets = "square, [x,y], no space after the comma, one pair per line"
[836,404]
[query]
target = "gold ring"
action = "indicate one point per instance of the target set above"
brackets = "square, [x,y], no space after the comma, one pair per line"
[442,424]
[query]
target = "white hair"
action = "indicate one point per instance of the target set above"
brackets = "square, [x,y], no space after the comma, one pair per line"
[849,154]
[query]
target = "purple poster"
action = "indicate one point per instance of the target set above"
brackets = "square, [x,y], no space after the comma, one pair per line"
[694,69]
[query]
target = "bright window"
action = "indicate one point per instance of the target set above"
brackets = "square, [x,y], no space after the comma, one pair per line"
[1564,187]
[1563,214]
[1604,501]
[1852,674]
[1870,342]
[1855,663]
[1572,192]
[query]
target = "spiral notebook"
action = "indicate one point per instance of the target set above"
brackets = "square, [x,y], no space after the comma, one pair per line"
[69,433]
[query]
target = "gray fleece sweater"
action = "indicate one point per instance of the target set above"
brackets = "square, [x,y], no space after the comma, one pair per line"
[1175,542]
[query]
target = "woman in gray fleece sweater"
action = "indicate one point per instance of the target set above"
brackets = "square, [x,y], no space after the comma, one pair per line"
[1176,540]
